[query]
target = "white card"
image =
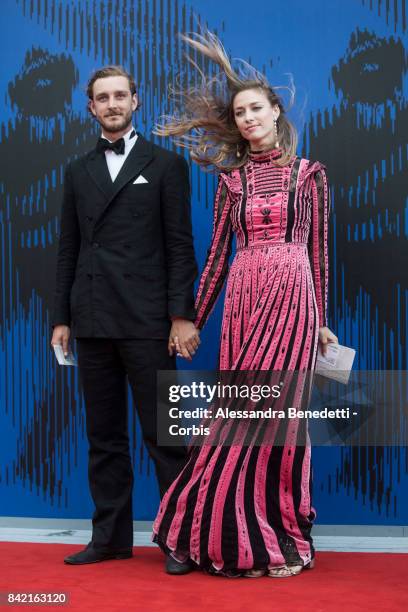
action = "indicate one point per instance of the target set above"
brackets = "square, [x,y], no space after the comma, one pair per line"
[140,179]
[69,360]
[337,362]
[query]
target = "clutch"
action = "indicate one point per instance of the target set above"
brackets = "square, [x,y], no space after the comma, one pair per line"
[337,362]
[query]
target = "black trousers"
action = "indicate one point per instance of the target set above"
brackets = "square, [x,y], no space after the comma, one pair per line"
[105,366]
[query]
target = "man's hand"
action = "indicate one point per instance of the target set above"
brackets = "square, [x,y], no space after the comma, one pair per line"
[326,336]
[61,336]
[184,338]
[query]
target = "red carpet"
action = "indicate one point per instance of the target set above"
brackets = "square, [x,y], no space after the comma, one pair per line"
[340,581]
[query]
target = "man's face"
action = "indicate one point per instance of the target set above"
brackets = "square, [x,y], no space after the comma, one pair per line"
[113,103]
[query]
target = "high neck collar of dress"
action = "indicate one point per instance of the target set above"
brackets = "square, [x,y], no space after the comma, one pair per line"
[268,155]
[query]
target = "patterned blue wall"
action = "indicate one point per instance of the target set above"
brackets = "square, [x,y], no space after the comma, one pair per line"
[349,65]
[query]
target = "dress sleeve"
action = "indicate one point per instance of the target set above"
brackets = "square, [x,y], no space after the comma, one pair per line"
[216,265]
[318,238]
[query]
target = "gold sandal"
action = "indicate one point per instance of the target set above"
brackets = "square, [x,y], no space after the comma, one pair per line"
[286,571]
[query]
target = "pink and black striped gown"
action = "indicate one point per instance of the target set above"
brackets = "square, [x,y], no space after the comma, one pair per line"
[232,509]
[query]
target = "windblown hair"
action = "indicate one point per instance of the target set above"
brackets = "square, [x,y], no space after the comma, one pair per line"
[204,122]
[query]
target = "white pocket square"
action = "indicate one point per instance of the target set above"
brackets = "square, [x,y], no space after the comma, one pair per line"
[140,179]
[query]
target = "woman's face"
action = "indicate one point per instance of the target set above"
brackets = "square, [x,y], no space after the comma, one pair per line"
[254,116]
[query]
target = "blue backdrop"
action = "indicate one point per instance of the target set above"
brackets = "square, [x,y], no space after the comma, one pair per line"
[349,65]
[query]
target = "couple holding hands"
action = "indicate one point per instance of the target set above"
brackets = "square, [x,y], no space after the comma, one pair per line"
[124,289]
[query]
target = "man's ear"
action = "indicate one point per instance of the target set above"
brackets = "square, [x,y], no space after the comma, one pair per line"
[91,107]
[135,101]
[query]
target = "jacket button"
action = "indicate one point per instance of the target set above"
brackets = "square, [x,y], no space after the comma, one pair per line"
[95,245]
[90,276]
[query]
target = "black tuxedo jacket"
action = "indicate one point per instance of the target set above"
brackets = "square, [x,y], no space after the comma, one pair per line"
[126,261]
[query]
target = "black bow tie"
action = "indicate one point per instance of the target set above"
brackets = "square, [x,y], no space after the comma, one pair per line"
[118,146]
[104,145]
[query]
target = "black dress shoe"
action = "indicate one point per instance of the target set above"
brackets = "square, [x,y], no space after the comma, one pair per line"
[93,555]
[176,568]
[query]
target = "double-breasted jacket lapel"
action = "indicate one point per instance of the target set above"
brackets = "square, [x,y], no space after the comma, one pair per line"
[140,155]
[98,170]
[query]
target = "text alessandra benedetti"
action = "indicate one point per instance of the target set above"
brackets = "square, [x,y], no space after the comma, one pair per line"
[289,413]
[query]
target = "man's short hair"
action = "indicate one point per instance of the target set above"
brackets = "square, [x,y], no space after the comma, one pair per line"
[109,71]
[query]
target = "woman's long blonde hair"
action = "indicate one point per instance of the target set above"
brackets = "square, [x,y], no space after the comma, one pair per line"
[204,119]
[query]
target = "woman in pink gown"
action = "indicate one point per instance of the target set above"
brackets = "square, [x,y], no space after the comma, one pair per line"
[248,511]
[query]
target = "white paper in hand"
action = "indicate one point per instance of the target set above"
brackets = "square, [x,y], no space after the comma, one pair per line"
[69,360]
[337,362]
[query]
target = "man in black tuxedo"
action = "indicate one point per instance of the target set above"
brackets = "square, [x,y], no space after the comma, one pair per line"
[124,289]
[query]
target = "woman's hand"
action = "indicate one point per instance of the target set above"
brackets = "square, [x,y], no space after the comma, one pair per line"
[326,336]
[184,338]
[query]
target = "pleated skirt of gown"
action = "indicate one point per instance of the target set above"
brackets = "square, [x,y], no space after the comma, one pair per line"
[236,507]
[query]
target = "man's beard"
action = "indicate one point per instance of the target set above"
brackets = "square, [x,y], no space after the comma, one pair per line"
[117,127]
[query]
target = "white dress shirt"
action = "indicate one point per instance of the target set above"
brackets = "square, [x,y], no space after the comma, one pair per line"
[115,161]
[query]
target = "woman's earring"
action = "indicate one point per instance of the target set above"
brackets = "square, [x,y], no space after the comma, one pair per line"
[275,121]
[238,153]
